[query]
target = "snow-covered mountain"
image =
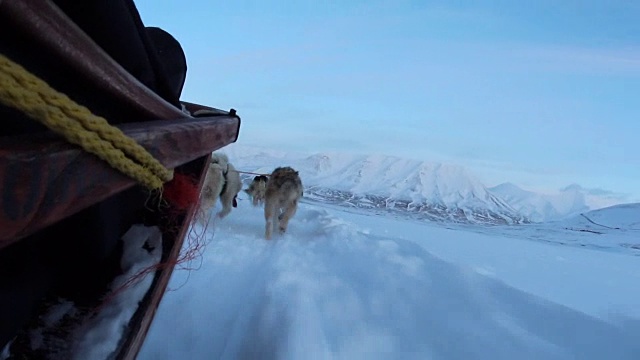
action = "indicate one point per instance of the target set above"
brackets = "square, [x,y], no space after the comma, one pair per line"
[440,192]
[423,190]
[431,190]
[597,198]
[567,202]
[541,207]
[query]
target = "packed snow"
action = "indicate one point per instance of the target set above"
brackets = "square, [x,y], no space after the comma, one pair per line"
[352,283]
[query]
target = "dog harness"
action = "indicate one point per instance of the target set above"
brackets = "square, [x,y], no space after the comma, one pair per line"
[224,187]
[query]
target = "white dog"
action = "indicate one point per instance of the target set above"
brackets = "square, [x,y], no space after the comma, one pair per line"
[222,181]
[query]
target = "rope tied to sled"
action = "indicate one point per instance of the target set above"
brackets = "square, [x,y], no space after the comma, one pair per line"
[26,92]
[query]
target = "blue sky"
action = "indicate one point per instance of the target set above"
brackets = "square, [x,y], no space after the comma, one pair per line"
[541,93]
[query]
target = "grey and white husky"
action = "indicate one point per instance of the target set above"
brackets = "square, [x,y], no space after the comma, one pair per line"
[284,190]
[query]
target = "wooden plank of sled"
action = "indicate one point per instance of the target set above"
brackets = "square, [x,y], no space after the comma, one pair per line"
[211,112]
[193,108]
[47,179]
[50,28]
[138,326]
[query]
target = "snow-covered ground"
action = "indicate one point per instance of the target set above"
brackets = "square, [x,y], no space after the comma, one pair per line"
[346,283]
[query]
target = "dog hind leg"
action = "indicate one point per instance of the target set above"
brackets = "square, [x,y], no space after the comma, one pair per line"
[287,215]
[226,200]
[270,216]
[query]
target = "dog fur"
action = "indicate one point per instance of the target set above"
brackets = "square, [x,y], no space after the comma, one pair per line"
[222,181]
[284,190]
[257,189]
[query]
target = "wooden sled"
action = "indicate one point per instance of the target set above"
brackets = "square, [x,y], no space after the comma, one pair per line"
[63,210]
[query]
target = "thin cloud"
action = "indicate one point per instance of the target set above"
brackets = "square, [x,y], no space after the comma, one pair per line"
[623,61]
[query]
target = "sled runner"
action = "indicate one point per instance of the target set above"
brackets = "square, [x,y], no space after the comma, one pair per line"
[93,139]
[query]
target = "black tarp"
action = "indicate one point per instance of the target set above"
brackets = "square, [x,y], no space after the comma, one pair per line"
[81,252]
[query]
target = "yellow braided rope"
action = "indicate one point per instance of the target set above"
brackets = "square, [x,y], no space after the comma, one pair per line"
[29,94]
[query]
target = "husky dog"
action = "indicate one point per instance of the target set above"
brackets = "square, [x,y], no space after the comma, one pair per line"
[222,181]
[257,189]
[284,189]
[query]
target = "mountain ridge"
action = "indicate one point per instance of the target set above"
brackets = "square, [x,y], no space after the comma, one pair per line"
[438,191]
